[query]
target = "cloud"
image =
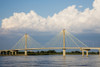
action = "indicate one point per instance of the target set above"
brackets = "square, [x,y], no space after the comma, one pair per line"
[70,18]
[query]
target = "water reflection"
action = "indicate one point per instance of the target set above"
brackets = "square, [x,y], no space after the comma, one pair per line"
[50,61]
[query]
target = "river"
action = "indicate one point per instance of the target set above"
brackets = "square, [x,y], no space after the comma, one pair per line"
[50,61]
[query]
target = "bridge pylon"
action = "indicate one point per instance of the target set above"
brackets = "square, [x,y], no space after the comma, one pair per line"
[64,50]
[26,44]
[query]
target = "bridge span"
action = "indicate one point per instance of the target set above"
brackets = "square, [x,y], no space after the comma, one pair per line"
[64,48]
[83,49]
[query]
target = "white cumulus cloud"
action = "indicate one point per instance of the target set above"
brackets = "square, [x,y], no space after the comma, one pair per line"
[70,18]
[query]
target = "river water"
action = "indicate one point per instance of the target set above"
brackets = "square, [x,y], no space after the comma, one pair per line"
[50,61]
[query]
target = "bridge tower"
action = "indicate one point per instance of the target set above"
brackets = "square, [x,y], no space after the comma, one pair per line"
[64,50]
[26,44]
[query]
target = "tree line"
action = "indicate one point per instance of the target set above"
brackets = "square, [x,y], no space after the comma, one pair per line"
[53,52]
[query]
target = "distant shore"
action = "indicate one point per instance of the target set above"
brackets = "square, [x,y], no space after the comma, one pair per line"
[51,52]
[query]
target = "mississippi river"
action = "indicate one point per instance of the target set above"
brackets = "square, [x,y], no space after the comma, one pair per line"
[50,61]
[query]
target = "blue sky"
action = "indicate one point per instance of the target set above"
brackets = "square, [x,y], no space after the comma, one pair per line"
[45,8]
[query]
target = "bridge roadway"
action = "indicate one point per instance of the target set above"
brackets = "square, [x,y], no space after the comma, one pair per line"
[83,49]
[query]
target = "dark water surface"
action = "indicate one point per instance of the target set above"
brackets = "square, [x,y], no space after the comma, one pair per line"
[50,61]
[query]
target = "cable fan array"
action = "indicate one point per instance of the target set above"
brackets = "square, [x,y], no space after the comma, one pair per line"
[70,41]
[57,41]
[30,43]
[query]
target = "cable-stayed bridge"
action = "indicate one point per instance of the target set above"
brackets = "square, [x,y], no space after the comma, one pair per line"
[64,40]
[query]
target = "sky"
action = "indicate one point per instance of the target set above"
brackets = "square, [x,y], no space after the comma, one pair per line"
[42,19]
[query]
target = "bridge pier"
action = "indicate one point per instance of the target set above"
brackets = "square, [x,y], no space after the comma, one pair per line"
[5,52]
[83,53]
[64,52]
[15,53]
[9,53]
[25,52]
[99,52]
[0,52]
[87,53]
[12,52]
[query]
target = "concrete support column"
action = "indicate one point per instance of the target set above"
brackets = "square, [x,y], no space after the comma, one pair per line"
[64,52]
[0,52]
[87,53]
[25,44]
[25,52]
[15,53]
[82,52]
[5,52]
[12,52]
[9,53]
[99,52]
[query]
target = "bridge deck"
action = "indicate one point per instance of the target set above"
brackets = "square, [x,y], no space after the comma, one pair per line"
[55,48]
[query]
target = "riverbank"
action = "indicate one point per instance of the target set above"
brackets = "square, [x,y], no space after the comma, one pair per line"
[49,52]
